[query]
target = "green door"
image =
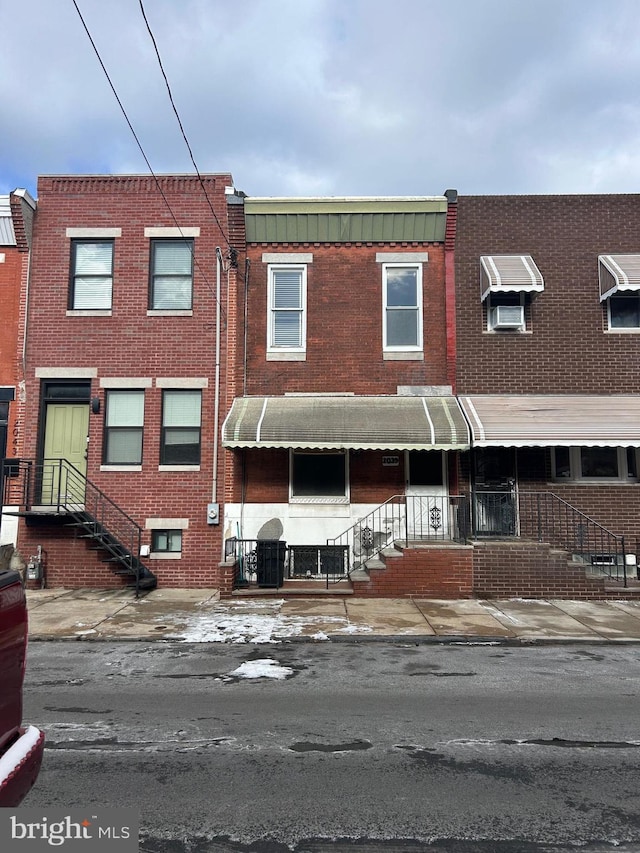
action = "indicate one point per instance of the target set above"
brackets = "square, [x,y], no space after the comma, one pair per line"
[65,437]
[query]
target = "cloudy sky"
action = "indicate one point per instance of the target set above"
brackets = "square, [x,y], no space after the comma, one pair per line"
[329,97]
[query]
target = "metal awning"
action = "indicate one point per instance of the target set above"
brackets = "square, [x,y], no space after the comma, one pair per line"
[555,420]
[618,274]
[333,422]
[509,274]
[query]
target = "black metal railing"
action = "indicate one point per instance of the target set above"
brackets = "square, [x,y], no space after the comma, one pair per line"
[546,517]
[404,519]
[57,486]
[267,563]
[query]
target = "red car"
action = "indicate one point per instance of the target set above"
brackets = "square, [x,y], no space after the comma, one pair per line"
[21,748]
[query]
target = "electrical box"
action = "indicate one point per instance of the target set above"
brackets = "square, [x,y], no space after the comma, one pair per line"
[213,514]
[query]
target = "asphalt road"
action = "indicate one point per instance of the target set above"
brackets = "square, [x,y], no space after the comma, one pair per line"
[359,747]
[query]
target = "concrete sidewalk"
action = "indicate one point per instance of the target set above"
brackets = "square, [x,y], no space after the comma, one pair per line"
[198,615]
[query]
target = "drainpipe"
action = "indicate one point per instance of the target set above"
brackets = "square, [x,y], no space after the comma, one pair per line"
[216,405]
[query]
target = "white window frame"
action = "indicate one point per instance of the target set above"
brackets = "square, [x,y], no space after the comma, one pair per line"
[75,277]
[272,347]
[495,300]
[398,348]
[624,330]
[575,466]
[131,424]
[319,499]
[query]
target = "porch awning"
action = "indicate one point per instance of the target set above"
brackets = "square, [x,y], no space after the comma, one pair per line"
[563,420]
[346,422]
[618,274]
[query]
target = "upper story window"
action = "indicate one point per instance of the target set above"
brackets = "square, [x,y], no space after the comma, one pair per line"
[402,306]
[595,463]
[181,418]
[619,277]
[507,285]
[287,324]
[171,275]
[91,275]
[124,422]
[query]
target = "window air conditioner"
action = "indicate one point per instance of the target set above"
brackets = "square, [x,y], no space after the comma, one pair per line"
[507,317]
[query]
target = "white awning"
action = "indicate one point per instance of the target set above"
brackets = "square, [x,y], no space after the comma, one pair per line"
[562,420]
[618,274]
[346,422]
[509,274]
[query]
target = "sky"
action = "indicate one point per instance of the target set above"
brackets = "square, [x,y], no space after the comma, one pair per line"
[328,97]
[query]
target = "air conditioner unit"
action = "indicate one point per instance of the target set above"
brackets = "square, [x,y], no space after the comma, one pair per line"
[507,317]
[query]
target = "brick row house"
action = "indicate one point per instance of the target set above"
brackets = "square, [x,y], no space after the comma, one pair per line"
[119,472]
[548,331]
[347,436]
[432,396]
[16,226]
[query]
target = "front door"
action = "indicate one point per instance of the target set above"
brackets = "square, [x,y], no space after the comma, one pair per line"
[494,504]
[427,504]
[65,437]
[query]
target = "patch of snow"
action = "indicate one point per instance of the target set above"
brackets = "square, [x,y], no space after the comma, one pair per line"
[265,668]
[356,629]
[83,633]
[319,636]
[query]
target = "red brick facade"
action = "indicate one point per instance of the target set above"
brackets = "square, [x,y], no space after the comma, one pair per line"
[132,347]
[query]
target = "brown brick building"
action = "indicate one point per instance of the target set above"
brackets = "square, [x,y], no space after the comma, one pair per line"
[548,351]
[128,327]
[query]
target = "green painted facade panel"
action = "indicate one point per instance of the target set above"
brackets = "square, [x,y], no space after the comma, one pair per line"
[356,227]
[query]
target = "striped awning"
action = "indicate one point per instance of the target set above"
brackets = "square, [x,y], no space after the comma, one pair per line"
[509,274]
[331,422]
[618,274]
[555,420]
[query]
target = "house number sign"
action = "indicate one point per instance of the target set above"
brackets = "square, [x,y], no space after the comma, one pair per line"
[388,461]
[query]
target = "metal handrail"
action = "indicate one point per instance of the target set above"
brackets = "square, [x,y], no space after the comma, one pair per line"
[60,486]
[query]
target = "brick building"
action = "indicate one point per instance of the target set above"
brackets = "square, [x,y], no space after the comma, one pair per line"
[128,328]
[346,402]
[16,224]
[548,351]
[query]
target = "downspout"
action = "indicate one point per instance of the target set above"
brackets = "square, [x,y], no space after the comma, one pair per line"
[216,404]
[450,311]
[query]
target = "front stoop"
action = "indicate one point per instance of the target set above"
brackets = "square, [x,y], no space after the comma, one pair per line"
[426,569]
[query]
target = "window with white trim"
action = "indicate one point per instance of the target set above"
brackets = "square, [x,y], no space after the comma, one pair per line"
[181,426]
[171,274]
[124,420]
[319,476]
[91,285]
[402,307]
[623,313]
[619,464]
[506,312]
[287,308]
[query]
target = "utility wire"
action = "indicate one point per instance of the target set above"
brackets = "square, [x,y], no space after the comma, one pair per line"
[182,131]
[142,151]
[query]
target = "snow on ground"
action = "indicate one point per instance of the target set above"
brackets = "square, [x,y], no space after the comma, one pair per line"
[256,622]
[265,668]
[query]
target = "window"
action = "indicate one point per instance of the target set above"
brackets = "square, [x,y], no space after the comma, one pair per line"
[123,427]
[319,477]
[181,415]
[595,463]
[506,312]
[287,308]
[91,275]
[171,274]
[623,313]
[402,306]
[166,541]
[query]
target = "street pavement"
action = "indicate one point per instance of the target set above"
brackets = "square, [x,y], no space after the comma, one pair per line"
[199,615]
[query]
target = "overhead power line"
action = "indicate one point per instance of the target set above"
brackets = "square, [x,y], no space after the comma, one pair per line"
[142,151]
[177,115]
